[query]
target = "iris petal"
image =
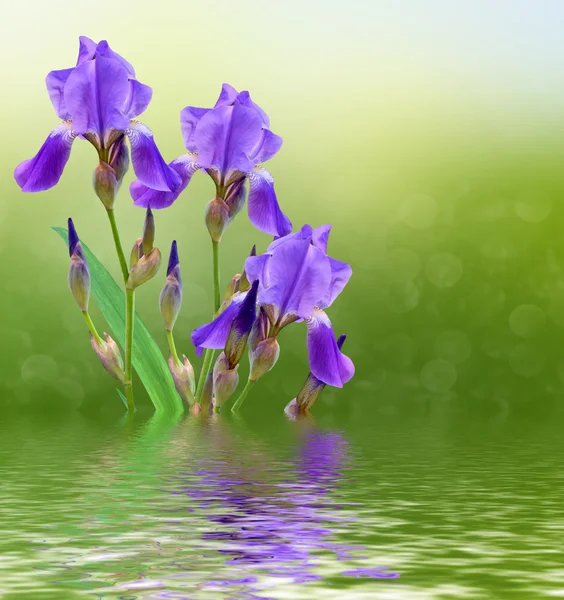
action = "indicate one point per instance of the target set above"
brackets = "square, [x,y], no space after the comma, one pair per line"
[138,99]
[320,237]
[299,276]
[149,165]
[95,94]
[264,210]
[225,138]
[55,82]
[86,49]
[326,361]
[340,274]
[214,334]
[44,170]
[185,166]
[267,147]
[189,118]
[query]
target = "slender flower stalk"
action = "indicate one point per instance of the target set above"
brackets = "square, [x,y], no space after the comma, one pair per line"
[238,403]
[170,302]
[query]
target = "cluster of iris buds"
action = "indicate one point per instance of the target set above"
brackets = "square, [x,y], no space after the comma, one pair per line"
[293,281]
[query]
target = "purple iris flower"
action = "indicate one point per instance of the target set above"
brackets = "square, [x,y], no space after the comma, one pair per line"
[97,101]
[228,141]
[297,281]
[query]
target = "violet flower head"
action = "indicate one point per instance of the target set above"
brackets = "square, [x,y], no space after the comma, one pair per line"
[297,281]
[97,100]
[228,141]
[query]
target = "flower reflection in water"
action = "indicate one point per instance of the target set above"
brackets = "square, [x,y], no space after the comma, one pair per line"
[284,529]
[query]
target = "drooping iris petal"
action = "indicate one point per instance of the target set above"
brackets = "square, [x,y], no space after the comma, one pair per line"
[214,335]
[227,95]
[326,361]
[267,147]
[86,49]
[185,166]
[299,276]
[55,82]
[264,210]
[44,170]
[148,164]
[95,94]
[320,237]
[189,118]
[138,99]
[340,274]
[226,136]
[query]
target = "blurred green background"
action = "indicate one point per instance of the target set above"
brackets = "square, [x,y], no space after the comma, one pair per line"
[430,133]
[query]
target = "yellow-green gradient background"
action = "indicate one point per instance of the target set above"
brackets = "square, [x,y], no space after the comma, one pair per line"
[430,133]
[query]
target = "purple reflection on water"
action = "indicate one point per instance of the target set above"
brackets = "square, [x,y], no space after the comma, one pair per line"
[284,529]
[371,572]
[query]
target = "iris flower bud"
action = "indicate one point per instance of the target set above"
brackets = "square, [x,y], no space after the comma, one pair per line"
[148,238]
[207,392]
[232,287]
[145,269]
[149,261]
[217,218]
[119,158]
[110,356]
[263,358]
[244,283]
[241,327]
[171,295]
[106,184]
[79,275]
[184,380]
[260,330]
[136,252]
[235,197]
[225,380]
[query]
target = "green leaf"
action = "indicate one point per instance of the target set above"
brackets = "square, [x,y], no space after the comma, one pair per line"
[148,360]
[123,398]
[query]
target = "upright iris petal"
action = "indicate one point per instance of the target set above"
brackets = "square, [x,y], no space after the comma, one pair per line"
[97,100]
[228,141]
[95,93]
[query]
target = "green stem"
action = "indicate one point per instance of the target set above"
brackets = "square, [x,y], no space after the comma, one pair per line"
[129,321]
[129,313]
[117,242]
[209,354]
[206,368]
[216,293]
[92,327]
[172,346]
[243,395]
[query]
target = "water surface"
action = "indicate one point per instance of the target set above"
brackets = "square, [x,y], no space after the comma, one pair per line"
[388,508]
